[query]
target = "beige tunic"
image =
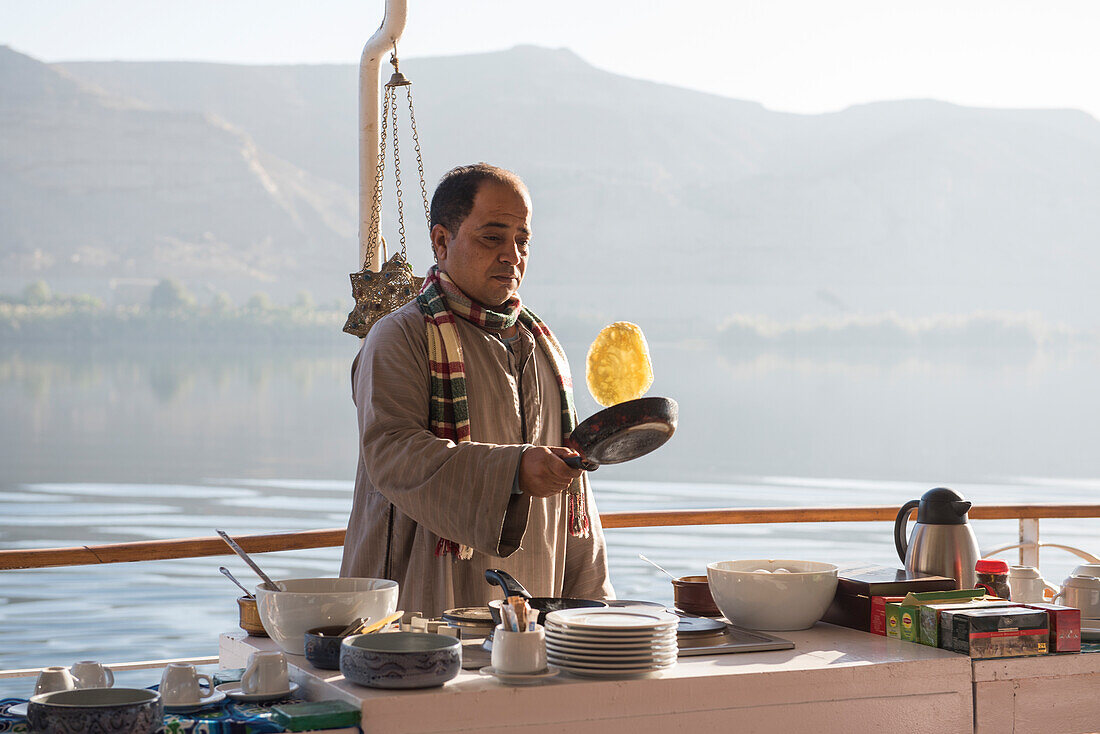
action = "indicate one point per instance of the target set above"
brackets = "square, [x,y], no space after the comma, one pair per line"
[411,487]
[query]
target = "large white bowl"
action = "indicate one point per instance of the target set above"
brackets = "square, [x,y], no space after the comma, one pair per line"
[308,603]
[772,601]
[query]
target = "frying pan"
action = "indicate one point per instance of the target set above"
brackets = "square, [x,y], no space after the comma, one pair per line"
[541,604]
[622,432]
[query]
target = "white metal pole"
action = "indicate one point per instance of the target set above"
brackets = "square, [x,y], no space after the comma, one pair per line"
[370,108]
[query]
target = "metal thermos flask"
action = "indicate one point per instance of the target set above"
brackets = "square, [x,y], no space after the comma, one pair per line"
[942,543]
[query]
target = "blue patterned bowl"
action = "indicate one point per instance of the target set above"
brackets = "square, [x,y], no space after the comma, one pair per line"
[400,659]
[323,647]
[96,711]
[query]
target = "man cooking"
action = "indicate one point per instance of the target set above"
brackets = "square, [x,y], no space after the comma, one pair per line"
[464,398]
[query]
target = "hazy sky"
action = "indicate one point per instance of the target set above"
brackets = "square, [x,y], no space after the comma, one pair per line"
[795,55]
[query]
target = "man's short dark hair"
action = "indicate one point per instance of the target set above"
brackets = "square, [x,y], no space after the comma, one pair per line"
[454,196]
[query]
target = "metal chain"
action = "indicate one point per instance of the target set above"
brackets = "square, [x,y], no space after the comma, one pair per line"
[373,233]
[389,112]
[419,160]
[397,179]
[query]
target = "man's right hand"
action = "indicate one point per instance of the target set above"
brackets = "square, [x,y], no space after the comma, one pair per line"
[543,471]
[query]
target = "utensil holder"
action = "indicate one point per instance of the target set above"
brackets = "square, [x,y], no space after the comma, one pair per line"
[519,652]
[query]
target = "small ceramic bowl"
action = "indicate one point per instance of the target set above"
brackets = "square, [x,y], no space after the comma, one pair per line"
[96,711]
[400,659]
[250,617]
[323,646]
[692,595]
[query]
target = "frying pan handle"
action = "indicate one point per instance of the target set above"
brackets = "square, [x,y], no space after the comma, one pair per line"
[504,580]
[579,462]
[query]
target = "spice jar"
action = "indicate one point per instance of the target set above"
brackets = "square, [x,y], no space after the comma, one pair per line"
[993,577]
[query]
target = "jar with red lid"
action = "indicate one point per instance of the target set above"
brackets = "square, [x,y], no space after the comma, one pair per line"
[993,577]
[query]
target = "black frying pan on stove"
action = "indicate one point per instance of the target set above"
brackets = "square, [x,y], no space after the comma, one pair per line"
[541,604]
[622,432]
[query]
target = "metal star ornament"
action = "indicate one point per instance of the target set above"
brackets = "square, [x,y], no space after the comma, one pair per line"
[381,293]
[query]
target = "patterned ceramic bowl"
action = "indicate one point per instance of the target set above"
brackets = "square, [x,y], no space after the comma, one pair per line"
[323,646]
[96,711]
[400,659]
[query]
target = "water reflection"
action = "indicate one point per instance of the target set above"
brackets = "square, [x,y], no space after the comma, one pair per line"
[104,445]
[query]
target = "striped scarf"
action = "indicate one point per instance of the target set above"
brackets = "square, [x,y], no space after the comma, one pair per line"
[449,416]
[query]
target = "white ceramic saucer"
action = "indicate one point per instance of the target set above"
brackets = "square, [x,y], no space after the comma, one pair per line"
[519,679]
[214,697]
[19,709]
[233,690]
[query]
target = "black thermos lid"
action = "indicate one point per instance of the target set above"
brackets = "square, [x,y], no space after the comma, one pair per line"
[942,506]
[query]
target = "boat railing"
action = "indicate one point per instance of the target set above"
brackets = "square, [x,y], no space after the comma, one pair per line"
[1027,515]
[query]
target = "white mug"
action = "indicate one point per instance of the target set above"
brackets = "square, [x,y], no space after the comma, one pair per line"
[91,674]
[1027,586]
[1082,592]
[180,684]
[266,673]
[519,652]
[54,678]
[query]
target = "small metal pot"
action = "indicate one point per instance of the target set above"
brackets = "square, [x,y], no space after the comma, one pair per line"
[250,616]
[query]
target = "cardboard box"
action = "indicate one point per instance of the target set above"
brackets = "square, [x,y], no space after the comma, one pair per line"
[1000,632]
[857,585]
[903,617]
[313,715]
[899,624]
[930,616]
[878,613]
[1065,626]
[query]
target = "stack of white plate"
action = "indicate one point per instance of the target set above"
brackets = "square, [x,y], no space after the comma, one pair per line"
[611,642]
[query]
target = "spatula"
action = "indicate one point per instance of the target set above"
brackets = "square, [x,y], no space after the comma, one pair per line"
[375,626]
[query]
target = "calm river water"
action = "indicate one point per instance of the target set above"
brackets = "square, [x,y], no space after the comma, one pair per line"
[115,445]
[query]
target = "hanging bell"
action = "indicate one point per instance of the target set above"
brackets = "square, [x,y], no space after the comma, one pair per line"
[398,80]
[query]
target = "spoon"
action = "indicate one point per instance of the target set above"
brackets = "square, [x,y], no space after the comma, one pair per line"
[247,559]
[233,578]
[657,566]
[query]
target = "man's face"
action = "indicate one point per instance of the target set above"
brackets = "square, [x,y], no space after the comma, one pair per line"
[487,257]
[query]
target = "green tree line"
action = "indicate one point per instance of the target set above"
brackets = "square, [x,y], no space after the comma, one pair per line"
[171,313]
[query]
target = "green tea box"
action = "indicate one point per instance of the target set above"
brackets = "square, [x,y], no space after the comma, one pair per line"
[313,715]
[907,612]
[930,616]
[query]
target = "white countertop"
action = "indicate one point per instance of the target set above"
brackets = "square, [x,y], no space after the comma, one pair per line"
[835,678]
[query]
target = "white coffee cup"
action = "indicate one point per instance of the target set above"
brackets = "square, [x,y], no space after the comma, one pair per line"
[1027,585]
[266,673]
[180,684]
[519,652]
[54,678]
[92,674]
[1082,592]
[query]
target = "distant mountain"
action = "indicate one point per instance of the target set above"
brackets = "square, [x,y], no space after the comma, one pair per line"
[96,185]
[649,199]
